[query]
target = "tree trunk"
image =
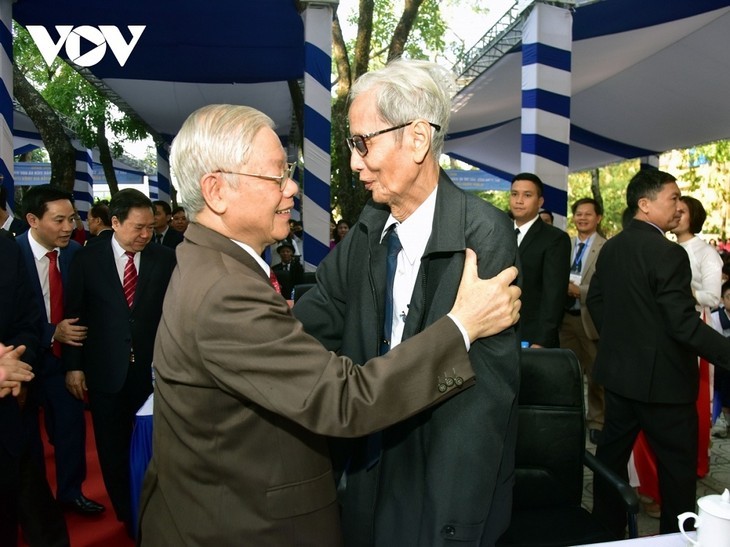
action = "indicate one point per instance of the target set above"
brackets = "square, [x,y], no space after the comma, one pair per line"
[403,29]
[58,144]
[105,157]
[596,187]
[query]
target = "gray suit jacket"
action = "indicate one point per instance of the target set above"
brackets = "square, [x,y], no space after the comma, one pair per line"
[445,475]
[243,398]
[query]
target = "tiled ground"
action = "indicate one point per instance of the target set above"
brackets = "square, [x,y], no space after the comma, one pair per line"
[714,483]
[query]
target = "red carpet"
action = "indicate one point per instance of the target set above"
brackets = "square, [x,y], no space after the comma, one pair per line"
[101,531]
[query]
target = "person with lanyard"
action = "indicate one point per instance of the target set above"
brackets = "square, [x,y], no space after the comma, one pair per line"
[577,331]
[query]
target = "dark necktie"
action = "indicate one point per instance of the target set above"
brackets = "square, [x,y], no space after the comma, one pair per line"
[391,264]
[375,441]
[274,281]
[578,262]
[158,238]
[56,296]
[130,278]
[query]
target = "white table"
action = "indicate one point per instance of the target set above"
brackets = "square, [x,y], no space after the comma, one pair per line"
[666,540]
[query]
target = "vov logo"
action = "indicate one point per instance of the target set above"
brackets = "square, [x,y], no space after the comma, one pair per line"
[100,37]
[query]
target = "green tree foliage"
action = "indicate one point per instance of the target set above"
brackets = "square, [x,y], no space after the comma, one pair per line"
[95,121]
[706,171]
[613,180]
[385,30]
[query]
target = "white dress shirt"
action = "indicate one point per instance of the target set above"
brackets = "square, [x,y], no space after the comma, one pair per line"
[121,259]
[42,263]
[524,228]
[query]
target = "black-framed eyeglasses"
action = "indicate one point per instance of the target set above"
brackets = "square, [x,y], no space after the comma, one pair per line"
[359,142]
[287,174]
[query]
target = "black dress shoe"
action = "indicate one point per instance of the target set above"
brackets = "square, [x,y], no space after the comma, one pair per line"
[594,435]
[83,506]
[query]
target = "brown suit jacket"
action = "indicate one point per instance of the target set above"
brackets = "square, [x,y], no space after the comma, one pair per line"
[243,398]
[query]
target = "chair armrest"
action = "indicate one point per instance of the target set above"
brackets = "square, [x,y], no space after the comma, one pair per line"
[627,493]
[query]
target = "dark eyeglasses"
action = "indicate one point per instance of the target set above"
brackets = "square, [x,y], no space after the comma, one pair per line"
[280,180]
[359,142]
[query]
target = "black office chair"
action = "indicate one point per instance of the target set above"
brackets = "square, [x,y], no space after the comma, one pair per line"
[550,455]
[299,289]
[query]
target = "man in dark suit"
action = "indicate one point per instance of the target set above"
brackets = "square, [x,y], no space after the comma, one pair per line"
[641,302]
[14,225]
[445,474]
[100,223]
[544,252]
[25,496]
[289,272]
[164,234]
[18,327]
[47,249]
[114,363]
[243,396]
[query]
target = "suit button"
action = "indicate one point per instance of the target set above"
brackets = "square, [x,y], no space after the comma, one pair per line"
[448,531]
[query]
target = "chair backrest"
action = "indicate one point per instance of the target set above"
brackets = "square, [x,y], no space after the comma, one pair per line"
[299,289]
[551,431]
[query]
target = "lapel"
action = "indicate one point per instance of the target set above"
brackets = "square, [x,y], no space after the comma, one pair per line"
[598,242]
[108,270]
[531,235]
[146,269]
[30,266]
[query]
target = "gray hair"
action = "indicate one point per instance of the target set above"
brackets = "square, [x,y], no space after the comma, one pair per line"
[216,137]
[407,90]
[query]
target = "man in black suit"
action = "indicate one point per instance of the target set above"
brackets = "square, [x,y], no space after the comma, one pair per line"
[25,496]
[163,233]
[47,250]
[289,272]
[100,223]
[544,253]
[641,302]
[13,225]
[116,289]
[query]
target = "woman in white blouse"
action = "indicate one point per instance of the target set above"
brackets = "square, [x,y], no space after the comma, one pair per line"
[704,260]
[706,265]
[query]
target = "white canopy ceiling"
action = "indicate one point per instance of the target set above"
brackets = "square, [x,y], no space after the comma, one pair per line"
[646,77]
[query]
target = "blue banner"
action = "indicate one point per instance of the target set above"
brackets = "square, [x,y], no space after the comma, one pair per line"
[477,180]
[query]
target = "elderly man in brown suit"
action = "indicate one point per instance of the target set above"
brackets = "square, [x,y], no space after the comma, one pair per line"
[243,396]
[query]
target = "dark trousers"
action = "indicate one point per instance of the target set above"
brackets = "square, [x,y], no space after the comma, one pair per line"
[41,518]
[9,488]
[66,428]
[113,418]
[671,431]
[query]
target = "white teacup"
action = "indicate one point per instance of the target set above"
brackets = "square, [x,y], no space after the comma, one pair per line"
[713,522]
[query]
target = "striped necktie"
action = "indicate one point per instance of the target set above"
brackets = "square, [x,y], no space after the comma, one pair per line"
[130,278]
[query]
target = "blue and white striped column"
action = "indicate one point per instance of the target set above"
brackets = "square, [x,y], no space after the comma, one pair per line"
[6,98]
[317,130]
[547,40]
[160,188]
[83,182]
[649,162]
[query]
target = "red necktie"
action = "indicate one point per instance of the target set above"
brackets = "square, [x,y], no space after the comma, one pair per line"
[130,278]
[274,281]
[56,296]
